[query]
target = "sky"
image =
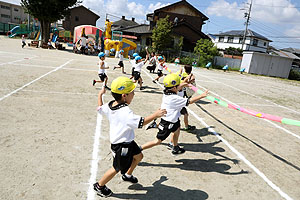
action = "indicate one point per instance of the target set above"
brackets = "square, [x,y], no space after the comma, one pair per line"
[278,20]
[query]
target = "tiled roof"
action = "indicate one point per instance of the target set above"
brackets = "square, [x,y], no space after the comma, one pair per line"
[123,23]
[141,29]
[249,33]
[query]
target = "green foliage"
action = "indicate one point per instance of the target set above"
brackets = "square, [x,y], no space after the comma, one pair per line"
[233,51]
[48,12]
[294,75]
[161,38]
[178,46]
[205,48]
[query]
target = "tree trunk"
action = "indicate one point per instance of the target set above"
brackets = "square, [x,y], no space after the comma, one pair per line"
[45,26]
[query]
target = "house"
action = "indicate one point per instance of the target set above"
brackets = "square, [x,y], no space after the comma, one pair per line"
[79,16]
[123,23]
[187,21]
[12,13]
[253,41]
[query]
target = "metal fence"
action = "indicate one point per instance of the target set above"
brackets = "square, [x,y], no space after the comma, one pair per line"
[232,63]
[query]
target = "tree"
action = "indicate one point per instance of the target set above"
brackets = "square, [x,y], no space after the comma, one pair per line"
[206,49]
[47,11]
[233,51]
[161,34]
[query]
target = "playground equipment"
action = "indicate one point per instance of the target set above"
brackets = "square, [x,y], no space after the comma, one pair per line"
[115,40]
[92,32]
[21,29]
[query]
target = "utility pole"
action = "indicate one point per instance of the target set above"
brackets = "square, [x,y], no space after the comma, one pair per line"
[247,14]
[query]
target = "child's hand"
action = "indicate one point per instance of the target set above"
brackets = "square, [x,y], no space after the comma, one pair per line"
[205,93]
[160,113]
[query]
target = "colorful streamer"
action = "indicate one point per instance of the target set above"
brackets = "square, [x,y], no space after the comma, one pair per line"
[247,111]
[166,68]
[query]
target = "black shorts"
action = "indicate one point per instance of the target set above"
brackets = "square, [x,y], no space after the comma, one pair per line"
[121,64]
[183,111]
[123,155]
[132,71]
[165,128]
[159,72]
[136,75]
[102,76]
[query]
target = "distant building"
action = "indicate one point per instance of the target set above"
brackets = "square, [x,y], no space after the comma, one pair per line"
[12,13]
[79,16]
[123,23]
[253,41]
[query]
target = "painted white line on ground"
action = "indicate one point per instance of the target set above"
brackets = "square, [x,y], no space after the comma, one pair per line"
[247,162]
[31,65]
[257,171]
[249,93]
[15,91]
[95,158]
[11,62]
[285,130]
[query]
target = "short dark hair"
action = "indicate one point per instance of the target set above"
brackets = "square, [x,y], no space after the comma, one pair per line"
[188,69]
[116,96]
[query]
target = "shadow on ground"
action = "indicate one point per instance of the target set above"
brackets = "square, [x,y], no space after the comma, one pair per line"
[161,191]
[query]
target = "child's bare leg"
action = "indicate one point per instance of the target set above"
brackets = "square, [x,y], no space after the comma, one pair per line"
[136,159]
[105,81]
[175,137]
[109,174]
[123,70]
[151,144]
[141,82]
[186,120]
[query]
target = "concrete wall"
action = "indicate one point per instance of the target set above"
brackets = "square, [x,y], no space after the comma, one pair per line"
[265,64]
[232,63]
[11,13]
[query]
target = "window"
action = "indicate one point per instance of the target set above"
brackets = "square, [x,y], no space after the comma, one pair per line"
[5,16]
[255,42]
[221,39]
[230,40]
[241,40]
[76,18]
[17,18]
[5,7]
[15,9]
[265,43]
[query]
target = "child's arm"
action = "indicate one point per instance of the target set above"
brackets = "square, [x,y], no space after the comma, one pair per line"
[157,114]
[100,101]
[102,66]
[197,98]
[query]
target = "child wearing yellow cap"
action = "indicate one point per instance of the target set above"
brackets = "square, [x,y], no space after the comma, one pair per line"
[173,104]
[127,154]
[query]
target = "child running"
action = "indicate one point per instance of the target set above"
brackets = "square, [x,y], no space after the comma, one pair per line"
[137,70]
[127,154]
[173,104]
[121,64]
[132,62]
[101,73]
[161,65]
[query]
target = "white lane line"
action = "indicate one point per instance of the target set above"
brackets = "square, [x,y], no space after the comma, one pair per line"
[247,162]
[15,91]
[243,158]
[64,93]
[285,130]
[249,93]
[11,62]
[95,158]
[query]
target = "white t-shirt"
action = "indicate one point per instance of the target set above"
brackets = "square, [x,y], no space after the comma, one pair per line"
[173,104]
[132,62]
[122,122]
[101,71]
[121,57]
[138,66]
[161,66]
[153,60]
[83,41]
[177,60]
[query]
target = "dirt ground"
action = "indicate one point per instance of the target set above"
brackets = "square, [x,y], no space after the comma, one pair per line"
[54,145]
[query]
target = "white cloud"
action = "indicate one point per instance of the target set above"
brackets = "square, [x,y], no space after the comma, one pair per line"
[293,32]
[156,6]
[274,11]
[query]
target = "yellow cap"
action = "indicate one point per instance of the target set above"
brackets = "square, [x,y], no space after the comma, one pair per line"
[171,80]
[122,85]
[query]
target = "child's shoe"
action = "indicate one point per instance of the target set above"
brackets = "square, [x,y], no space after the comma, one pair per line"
[107,87]
[170,146]
[177,150]
[131,179]
[94,82]
[102,191]
[154,81]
